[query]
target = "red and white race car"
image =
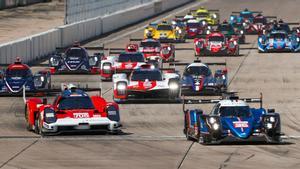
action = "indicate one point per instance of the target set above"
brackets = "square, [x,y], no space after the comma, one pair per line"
[124,62]
[72,110]
[258,24]
[153,49]
[216,44]
[147,83]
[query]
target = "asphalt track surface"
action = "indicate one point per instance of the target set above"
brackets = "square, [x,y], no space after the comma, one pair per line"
[153,135]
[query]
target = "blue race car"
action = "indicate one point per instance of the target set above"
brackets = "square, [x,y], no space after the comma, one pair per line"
[231,119]
[243,16]
[75,60]
[278,41]
[18,75]
[198,79]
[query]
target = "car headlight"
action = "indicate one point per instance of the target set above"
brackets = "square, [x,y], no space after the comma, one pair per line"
[269,125]
[215,126]
[38,82]
[272,119]
[242,32]
[212,120]
[106,67]
[54,61]
[173,86]
[121,86]
[50,116]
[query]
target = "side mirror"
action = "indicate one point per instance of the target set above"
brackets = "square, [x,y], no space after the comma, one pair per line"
[45,101]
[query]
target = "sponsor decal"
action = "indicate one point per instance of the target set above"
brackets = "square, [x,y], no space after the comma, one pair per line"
[240,124]
[81,115]
[147,84]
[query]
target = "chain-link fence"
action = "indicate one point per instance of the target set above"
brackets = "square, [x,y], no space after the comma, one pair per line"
[77,10]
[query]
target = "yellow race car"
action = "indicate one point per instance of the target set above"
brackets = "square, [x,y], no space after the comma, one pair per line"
[149,31]
[165,32]
[211,16]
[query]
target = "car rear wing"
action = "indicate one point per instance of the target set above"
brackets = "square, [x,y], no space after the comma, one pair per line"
[238,12]
[198,61]
[209,10]
[224,97]
[135,39]
[64,86]
[292,23]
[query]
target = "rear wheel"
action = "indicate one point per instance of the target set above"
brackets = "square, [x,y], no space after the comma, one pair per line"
[26,113]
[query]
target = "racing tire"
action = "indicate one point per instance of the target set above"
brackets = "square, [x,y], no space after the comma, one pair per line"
[237,52]
[38,127]
[174,94]
[28,126]
[205,139]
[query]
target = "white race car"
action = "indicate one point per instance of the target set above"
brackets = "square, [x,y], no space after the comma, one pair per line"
[147,83]
[124,63]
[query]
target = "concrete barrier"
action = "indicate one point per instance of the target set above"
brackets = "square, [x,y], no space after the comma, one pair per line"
[43,44]
[15,3]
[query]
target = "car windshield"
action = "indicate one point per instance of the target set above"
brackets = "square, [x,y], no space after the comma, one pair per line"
[246,15]
[284,27]
[196,24]
[259,20]
[203,14]
[237,111]
[164,27]
[71,103]
[216,39]
[150,44]
[278,36]
[131,57]
[225,27]
[153,75]
[18,73]
[76,52]
[197,71]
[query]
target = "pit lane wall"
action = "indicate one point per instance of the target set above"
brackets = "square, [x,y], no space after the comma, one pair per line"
[14,3]
[41,45]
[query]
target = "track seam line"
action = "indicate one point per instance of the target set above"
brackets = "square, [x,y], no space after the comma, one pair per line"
[19,153]
[185,155]
[241,64]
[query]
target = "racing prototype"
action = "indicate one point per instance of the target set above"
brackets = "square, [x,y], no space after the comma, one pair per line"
[231,119]
[146,83]
[73,110]
[198,79]
[75,60]
[17,76]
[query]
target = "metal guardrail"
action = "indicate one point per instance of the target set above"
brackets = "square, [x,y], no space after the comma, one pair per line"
[78,10]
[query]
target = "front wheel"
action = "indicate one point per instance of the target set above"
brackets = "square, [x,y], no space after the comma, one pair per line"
[38,125]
